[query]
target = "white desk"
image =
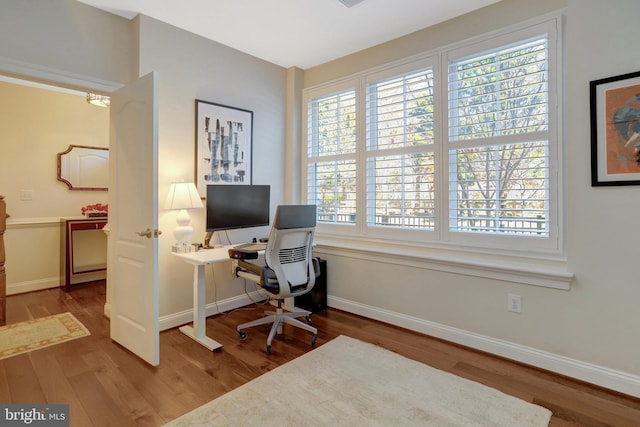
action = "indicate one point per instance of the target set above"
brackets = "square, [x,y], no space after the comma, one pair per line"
[199,259]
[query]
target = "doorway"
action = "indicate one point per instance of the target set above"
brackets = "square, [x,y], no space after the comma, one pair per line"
[38,122]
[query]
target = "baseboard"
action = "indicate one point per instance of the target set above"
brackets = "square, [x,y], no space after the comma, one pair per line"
[609,378]
[182,318]
[32,285]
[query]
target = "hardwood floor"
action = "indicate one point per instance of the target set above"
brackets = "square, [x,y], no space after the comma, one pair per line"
[106,385]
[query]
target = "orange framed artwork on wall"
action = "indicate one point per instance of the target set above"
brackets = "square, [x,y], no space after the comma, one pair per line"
[615,130]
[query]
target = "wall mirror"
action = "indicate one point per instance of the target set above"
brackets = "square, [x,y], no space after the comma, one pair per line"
[84,168]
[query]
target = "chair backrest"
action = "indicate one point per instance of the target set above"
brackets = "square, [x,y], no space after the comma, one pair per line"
[289,249]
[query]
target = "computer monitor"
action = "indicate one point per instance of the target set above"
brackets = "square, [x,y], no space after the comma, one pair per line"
[237,206]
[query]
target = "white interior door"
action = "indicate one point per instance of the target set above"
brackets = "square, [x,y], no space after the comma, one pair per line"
[133,218]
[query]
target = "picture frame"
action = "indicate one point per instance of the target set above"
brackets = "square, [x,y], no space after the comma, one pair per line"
[615,130]
[224,145]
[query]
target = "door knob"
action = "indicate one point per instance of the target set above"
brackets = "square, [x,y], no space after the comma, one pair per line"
[148,233]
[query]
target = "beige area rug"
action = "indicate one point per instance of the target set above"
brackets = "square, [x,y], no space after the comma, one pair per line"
[19,338]
[347,382]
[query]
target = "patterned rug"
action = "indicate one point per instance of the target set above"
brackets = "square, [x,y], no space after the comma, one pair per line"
[19,338]
[347,382]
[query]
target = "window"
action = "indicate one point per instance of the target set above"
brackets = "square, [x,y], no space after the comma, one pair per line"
[400,151]
[331,149]
[459,147]
[499,140]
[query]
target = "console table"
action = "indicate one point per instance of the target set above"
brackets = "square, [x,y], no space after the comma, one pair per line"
[76,233]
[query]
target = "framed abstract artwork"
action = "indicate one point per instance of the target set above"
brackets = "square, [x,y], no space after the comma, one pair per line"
[224,142]
[615,130]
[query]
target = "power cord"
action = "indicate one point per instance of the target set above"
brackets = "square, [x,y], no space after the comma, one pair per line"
[258,289]
[226,234]
[215,288]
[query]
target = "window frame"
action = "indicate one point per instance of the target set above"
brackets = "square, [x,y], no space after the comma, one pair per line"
[395,233]
[553,243]
[442,237]
[326,92]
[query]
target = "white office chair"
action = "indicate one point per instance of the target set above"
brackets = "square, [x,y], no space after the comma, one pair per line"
[290,269]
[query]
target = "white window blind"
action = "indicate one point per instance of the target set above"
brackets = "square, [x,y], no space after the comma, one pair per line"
[400,151]
[499,140]
[458,148]
[331,164]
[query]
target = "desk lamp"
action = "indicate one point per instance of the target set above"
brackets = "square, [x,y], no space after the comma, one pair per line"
[183,196]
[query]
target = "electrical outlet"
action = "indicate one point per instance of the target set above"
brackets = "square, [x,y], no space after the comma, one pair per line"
[26,195]
[514,303]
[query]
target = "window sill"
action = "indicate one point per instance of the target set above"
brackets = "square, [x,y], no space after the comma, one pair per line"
[549,272]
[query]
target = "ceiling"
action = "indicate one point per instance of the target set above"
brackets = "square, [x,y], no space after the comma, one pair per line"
[301,33]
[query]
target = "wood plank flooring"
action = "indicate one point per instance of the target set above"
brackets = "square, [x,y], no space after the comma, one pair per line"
[105,385]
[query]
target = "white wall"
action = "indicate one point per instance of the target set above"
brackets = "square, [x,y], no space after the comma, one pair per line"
[588,331]
[601,42]
[37,124]
[66,38]
[191,67]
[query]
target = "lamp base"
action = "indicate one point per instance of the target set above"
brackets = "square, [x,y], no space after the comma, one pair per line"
[182,248]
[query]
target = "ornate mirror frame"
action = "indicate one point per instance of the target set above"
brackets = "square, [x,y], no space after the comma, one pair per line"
[84,168]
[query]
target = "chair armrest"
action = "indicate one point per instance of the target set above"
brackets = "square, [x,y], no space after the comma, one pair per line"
[264,276]
[236,253]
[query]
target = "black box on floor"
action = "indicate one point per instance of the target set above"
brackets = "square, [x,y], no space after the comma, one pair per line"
[316,300]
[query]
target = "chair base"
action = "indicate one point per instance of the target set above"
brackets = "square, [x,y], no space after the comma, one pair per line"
[278,318]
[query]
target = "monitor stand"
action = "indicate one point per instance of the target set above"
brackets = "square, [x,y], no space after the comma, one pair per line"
[207,240]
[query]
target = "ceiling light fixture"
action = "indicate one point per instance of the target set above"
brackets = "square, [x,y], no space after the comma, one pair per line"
[99,100]
[350,3]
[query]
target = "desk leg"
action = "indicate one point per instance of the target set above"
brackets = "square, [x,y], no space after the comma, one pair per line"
[199,330]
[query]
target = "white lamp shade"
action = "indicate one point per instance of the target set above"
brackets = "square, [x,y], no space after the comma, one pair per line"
[183,195]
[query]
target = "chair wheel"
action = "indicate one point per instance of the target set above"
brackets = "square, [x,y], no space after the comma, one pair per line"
[268,349]
[308,319]
[242,335]
[313,339]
